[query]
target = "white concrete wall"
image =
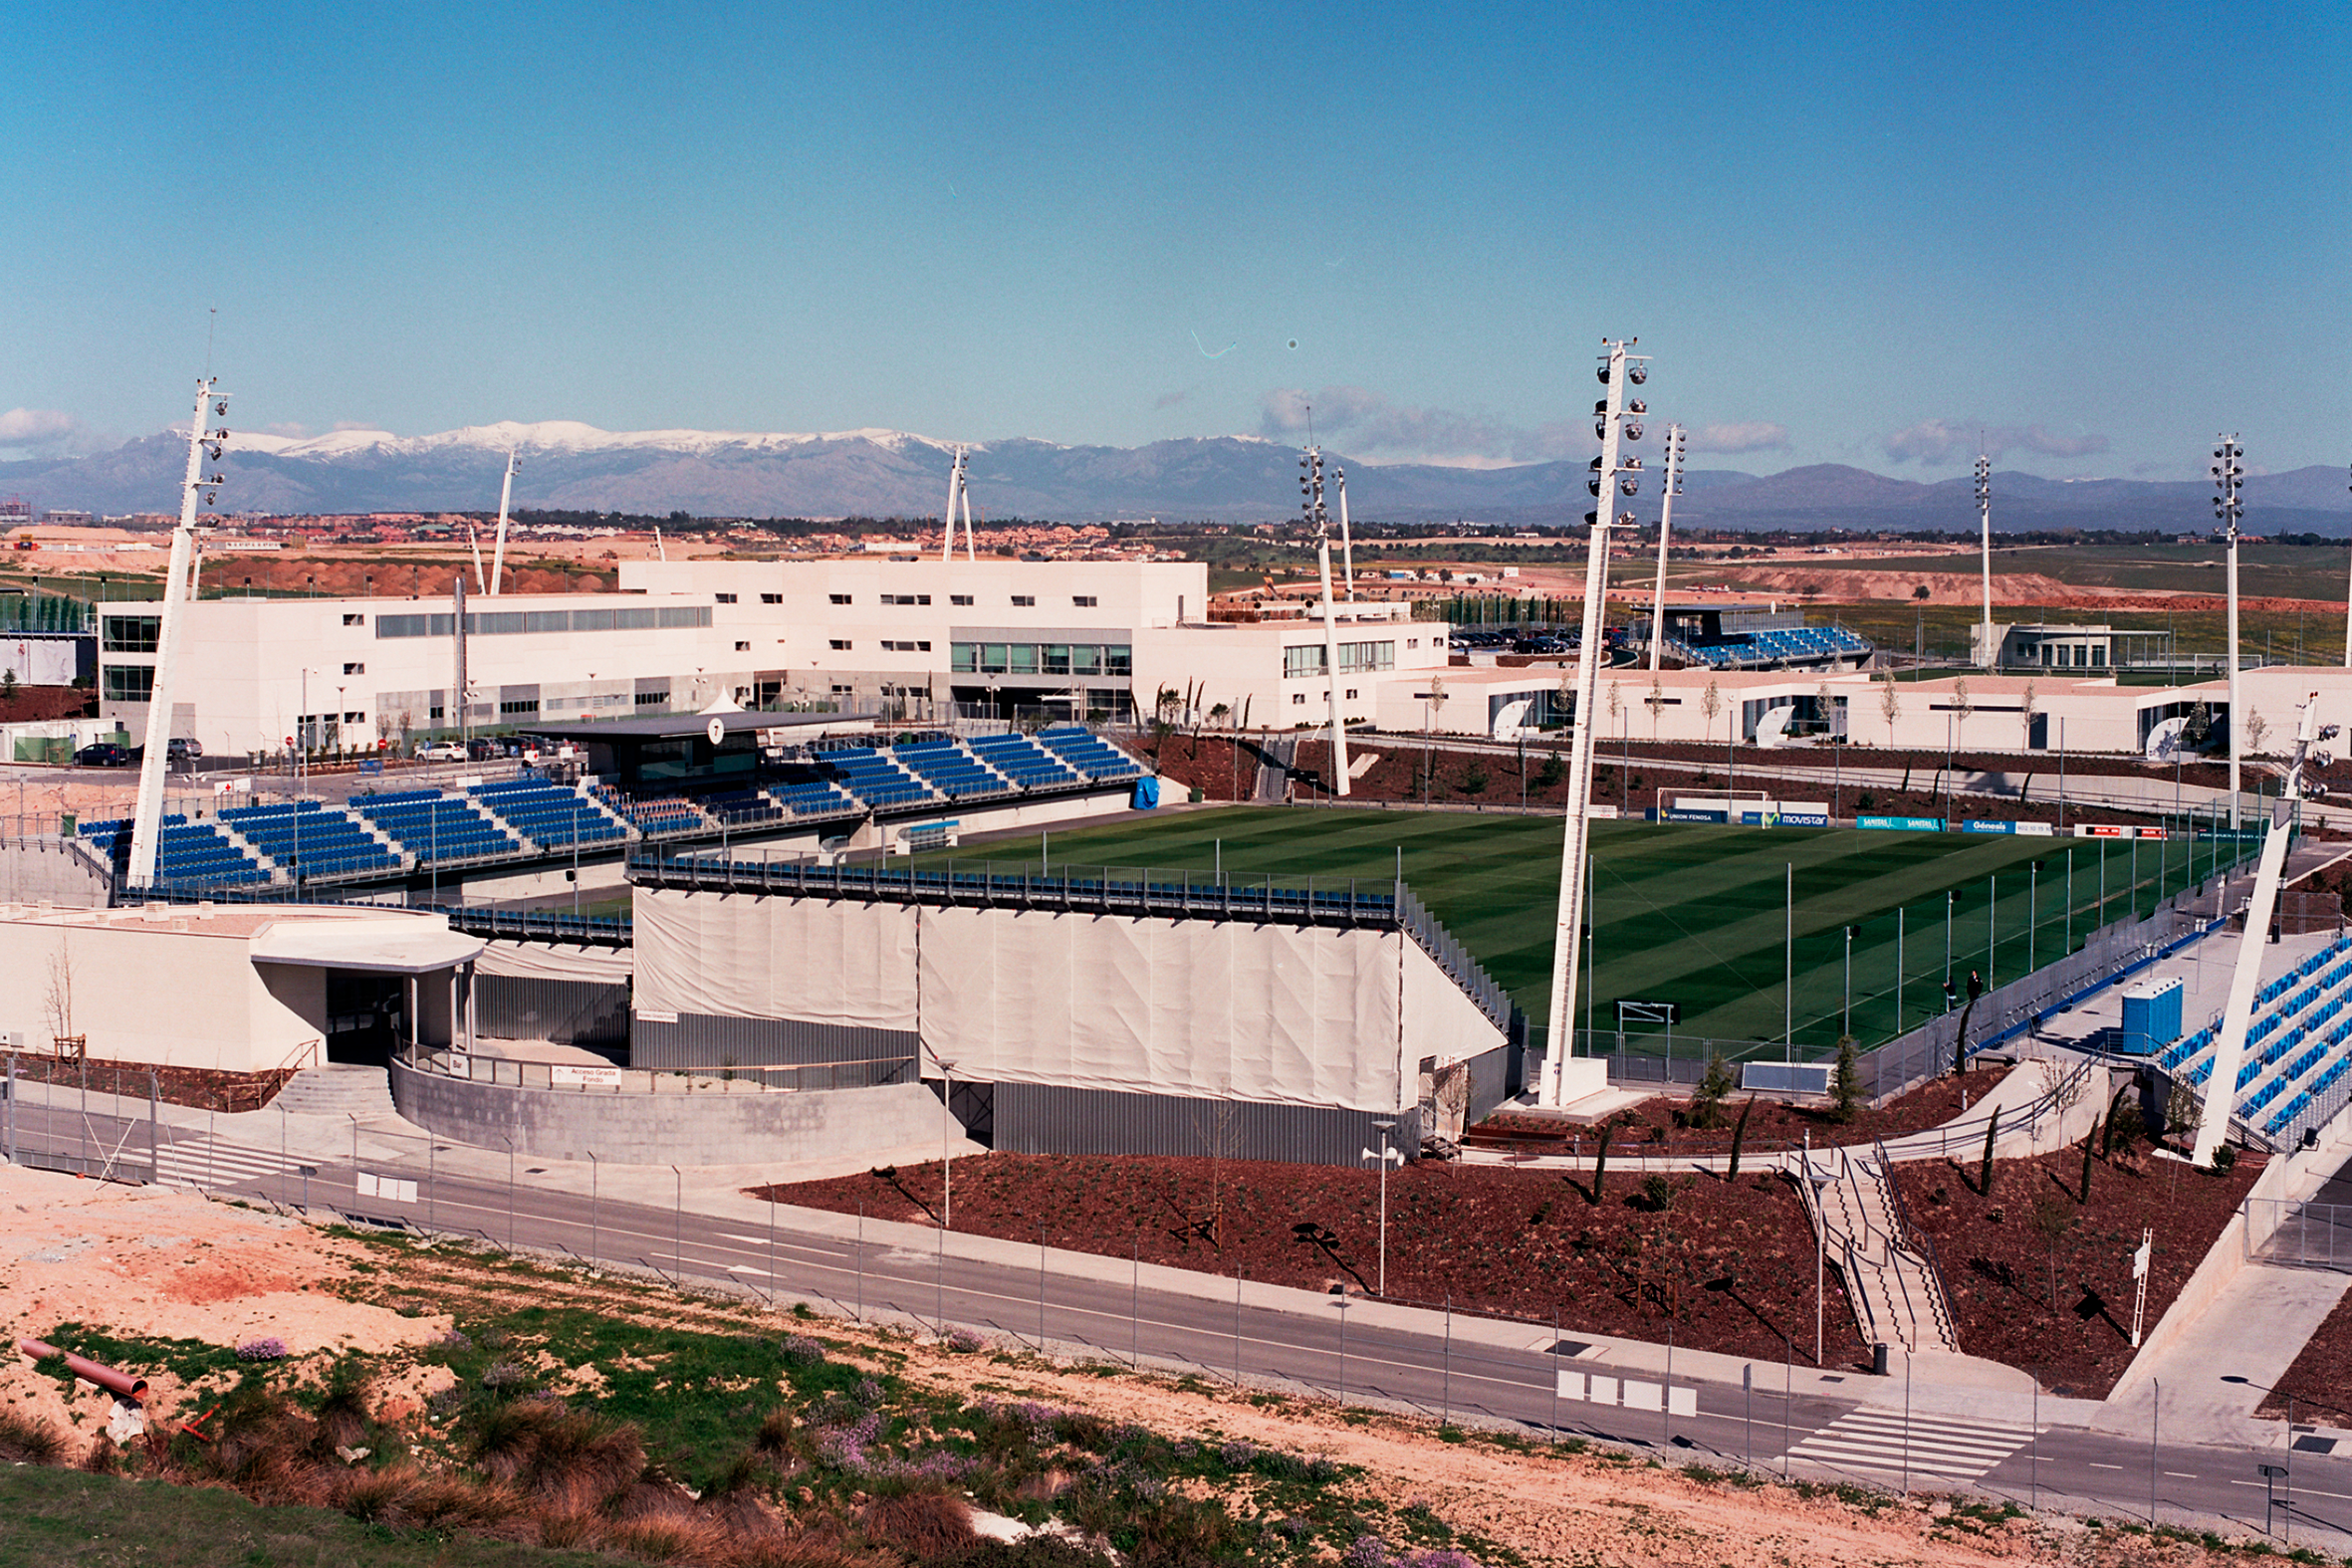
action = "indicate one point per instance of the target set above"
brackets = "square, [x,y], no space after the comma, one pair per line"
[147,992]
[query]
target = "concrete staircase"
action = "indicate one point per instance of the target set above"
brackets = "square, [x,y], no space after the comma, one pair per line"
[338,1090]
[1896,1289]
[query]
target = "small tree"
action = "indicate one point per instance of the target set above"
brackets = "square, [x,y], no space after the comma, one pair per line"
[2257,727]
[1739,1137]
[1890,707]
[1920,593]
[1714,1086]
[2053,1216]
[2025,721]
[2088,1139]
[1845,1084]
[8,685]
[1656,703]
[1985,1164]
[1600,1158]
[1711,701]
[1960,709]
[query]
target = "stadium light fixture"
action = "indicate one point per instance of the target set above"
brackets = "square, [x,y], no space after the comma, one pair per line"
[1317,517]
[2228,475]
[1986,654]
[1676,437]
[1387,1157]
[1617,425]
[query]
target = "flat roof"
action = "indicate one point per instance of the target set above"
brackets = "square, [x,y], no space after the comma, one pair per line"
[679,726]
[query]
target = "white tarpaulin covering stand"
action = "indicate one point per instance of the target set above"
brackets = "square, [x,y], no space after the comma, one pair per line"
[1305,1015]
[600,966]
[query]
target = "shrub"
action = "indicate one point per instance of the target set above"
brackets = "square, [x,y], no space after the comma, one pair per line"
[271,1349]
[802,1351]
[1366,1551]
[557,1454]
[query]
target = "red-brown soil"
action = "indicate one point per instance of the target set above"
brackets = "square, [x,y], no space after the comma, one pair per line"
[28,703]
[1997,1253]
[1660,1125]
[2321,1381]
[1729,1263]
[201,1088]
[1222,769]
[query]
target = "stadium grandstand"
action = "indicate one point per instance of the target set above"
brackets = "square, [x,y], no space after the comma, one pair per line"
[1732,638]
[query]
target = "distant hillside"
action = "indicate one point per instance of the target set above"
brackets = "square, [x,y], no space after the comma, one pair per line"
[882,473]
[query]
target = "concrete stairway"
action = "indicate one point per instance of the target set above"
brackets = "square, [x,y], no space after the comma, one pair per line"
[1895,1289]
[338,1090]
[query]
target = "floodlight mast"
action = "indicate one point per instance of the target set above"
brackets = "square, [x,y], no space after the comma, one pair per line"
[1317,517]
[2228,472]
[1675,436]
[2348,626]
[506,494]
[205,440]
[1347,537]
[2221,1090]
[958,489]
[1984,649]
[1617,417]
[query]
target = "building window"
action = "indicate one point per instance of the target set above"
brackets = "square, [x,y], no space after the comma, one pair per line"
[1356,656]
[130,633]
[129,683]
[840,645]
[1298,699]
[1351,694]
[518,704]
[842,689]
[355,669]
[1412,642]
[770,598]
[355,620]
[962,598]
[1027,600]
[839,599]
[724,598]
[743,647]
[1303,661]
[1082,600]
[644,700]
[906,599]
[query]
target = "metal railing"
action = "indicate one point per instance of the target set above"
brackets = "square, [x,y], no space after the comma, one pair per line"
[2305,1234]
[723,1078]
[1921,1246]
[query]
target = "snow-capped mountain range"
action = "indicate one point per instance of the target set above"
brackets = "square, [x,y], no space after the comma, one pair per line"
[891,473]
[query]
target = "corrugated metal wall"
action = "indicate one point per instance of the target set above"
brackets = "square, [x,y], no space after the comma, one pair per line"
[1034,1118]
[1488,1087]
[568,1012]
[698,1040]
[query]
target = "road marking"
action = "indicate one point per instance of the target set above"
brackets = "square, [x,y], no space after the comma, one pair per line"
[2182,1475]
[1932,1445]
[2096,1465]
[202,1160]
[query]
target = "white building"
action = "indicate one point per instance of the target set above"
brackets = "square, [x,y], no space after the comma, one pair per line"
[1059,637]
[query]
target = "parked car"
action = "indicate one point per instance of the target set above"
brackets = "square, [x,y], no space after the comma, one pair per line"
[440,752]
[102,753]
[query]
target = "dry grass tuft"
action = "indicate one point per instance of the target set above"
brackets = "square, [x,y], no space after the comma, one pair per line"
[26,1440]
[679,1539]
[927,1525]
[559,1455]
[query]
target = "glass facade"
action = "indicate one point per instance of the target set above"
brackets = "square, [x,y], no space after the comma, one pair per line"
[1041,658]
[130,633]
[1303,662]
[501,623]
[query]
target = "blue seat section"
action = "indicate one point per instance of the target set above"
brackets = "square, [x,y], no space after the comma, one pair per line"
[550,813]
[326,839]
[949,768]
[1025,761]
[741,807]
[190,853]
[874,778]
[434,827]
[1088,752]
[2298,1046]
[1785,645]
[812,797]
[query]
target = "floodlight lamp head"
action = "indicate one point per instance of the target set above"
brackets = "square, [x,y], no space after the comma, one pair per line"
[1636,407]
[1603,374]
[1637,374]
[1600,429]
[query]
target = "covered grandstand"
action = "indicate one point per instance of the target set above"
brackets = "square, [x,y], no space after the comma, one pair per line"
[1732,638]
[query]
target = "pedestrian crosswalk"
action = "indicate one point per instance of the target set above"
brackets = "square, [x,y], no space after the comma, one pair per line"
[216,1162]
[1948,1447]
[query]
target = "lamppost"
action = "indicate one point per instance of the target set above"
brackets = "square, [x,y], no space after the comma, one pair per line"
[947,1120]
[1387,1157]
[2228,472]
[1674,439]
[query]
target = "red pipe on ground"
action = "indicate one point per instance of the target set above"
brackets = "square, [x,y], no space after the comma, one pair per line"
[119,1384]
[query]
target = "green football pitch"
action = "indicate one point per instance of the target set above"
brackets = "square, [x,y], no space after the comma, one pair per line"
[1711,919]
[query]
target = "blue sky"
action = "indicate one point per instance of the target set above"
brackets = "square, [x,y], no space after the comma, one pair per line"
[1848,234]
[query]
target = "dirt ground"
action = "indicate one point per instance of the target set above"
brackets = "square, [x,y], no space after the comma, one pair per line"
[156,1263]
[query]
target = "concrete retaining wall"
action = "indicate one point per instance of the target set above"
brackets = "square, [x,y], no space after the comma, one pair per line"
[48,871]
[702,1128]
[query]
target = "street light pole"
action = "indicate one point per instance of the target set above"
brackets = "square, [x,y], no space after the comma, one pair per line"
[1986,651]
[1386,1156]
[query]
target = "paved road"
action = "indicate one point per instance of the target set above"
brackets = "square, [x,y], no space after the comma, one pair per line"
[1378,1354]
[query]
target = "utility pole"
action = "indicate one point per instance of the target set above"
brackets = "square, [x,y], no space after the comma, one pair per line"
[1617,419]
[1986,654]
[2228,471]
[1674,456]
[205,442]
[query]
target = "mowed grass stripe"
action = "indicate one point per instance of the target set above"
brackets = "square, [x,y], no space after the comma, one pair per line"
[1688,913]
